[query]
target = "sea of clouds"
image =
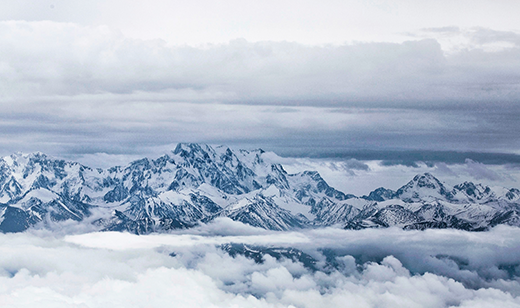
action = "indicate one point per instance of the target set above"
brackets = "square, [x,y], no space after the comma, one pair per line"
[367,268]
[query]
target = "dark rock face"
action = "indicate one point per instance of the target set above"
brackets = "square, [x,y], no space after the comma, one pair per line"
[380,194]
[258,253]
[15,220]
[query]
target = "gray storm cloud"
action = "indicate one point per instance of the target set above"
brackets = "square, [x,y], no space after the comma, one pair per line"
[83,89]
[374,268]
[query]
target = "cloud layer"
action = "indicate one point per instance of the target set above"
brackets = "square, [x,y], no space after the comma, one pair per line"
[124,77]
[85,89]
[48,59]
[391,268]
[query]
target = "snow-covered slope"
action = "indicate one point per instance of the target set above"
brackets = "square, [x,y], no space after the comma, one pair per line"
[425,202]
[197,183]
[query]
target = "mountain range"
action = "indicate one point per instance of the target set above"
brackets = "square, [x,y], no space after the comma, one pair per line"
[197,183]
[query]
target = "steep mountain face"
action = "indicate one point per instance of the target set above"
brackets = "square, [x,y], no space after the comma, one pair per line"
[197,183]
[193,183]
[35,188]
[263,212]
[380,194]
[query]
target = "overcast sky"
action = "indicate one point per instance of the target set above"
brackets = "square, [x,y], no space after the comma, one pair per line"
[298,77]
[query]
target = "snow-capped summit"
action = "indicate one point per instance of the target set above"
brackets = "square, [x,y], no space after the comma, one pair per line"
[196,183]
[424,187]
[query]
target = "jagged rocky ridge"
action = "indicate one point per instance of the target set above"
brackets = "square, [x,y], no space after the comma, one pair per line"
[198,183]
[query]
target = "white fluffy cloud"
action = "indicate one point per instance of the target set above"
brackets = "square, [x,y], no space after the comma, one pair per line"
[50,59]
[391,268]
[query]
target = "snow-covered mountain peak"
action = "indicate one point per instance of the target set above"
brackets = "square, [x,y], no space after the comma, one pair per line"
[427,180]
[20,158]
[423,187]
[31,167]
[194,150]
[474,191]
[193,154]
[196,183]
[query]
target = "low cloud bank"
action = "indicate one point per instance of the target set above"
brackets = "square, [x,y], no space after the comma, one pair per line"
[367,268]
